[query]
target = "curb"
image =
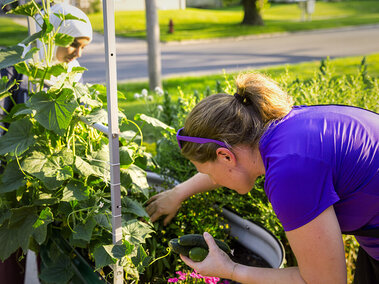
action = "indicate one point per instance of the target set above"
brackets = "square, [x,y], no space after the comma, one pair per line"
[22,21]
[270,35]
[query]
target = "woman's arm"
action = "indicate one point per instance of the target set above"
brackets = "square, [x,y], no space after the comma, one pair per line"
[168,202]
[318,248]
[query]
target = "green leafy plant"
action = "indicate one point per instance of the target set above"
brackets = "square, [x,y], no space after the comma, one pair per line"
[55,194]
[324,87]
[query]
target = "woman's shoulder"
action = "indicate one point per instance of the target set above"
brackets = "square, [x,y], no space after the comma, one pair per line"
[319,120]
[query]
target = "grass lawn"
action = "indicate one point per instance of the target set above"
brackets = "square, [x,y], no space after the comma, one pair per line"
[10,32]
[188,85]
[204,23]
[349,65]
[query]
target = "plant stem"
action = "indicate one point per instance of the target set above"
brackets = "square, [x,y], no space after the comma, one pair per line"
[140,131]
[4,110]
[3,128]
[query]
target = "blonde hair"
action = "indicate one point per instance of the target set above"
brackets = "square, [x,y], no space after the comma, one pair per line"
[238,119]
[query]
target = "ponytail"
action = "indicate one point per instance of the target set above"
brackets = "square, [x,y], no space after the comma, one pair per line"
[238,119]
[262,92]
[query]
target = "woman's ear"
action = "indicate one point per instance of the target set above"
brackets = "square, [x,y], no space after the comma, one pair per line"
[226,156]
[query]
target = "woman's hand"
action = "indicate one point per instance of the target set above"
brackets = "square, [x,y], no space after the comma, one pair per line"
[216,264]
[164,203]
[169,201]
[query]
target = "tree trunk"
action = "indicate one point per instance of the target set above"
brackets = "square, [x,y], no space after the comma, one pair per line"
[251,16]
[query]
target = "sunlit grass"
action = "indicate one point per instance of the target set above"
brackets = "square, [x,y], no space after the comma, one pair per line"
[205,23]
[10,32]
[341,66]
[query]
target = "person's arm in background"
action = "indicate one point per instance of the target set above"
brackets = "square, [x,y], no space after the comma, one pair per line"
[168,202]
[318,248]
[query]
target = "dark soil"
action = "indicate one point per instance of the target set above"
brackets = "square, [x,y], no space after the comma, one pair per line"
[244,256]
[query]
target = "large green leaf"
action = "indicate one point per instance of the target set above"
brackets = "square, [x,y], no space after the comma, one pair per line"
[34,163]
[29,9]
[56,70]
[54,113]
[19,110]
[137,176]
[132,206]
[59,272]
[15,233]
[103,220]
[119,251]
[102,258]
[135,232]
[141,260]
[83,231]
[63,39]
[49,169]
[12,178]
[13,55]
[67,79]
[37,72]
[45,217]
[153,121]
[65,17]
[75,191]
[5,214]
[67,156]
[126,156]
[100,162]
[40,226]
[32,38]
[45,199]
[84,168]
[18,138]
[83,93]
[28,70]
[99,115]
[110,254]
[39,234]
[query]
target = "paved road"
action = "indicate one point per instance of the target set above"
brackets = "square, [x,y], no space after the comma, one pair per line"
[209,57]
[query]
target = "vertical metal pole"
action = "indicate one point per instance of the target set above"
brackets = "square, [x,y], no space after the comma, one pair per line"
[113,135]
[153,46]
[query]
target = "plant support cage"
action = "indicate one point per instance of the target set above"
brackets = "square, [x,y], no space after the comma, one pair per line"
[112,130]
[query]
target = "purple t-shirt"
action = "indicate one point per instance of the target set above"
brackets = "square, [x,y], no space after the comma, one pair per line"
[318,156]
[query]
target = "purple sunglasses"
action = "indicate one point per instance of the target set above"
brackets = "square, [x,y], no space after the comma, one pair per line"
[196,140]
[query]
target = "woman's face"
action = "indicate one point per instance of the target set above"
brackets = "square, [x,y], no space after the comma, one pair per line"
[236,170]
[222,175]
[67,54]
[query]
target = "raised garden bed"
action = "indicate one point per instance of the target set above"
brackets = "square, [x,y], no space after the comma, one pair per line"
[253,245]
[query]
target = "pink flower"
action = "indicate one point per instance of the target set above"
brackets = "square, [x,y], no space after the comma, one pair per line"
[173,280]
[196,275]
[211,280]
[182,275]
